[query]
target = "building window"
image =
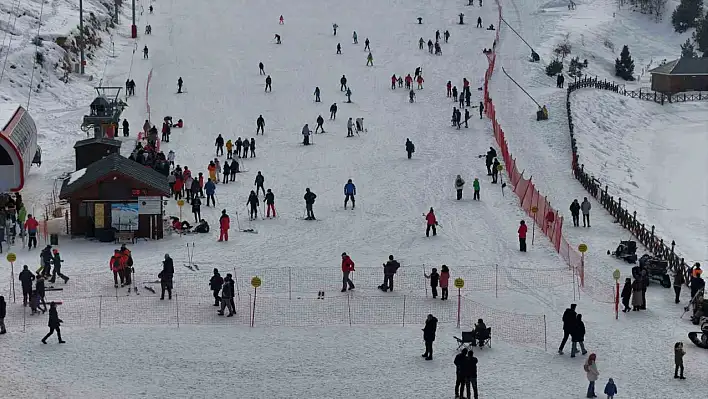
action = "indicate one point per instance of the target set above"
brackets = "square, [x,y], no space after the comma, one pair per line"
[5,158]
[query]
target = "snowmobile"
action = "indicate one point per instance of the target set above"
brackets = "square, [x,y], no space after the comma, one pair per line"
[702,340]
[657,269]
[626,250]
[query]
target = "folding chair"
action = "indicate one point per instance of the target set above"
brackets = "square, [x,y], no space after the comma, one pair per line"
[467,340]
[485,338]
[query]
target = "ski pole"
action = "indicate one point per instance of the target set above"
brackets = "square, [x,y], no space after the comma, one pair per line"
[238,223]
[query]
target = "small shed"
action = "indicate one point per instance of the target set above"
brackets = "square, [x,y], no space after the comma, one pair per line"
[115,197]
[683,74]
[94,149]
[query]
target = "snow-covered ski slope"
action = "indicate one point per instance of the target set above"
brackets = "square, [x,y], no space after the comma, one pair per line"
[215,47]
[543,148]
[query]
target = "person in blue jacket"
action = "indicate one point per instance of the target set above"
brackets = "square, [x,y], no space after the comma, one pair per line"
[610,389]
[210,189]
[349,192]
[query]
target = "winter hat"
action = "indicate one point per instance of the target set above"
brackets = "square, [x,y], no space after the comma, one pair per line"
[390,257]
[344,254]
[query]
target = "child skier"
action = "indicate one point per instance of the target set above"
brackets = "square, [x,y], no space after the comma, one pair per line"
[434,278]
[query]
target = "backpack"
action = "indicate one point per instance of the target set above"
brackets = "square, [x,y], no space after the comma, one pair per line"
[130,260]
[586,367]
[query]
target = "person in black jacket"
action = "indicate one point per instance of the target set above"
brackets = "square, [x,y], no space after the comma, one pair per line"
[390,269]
[26,277]
[126,128]
[219,143]
[434,280]
[226,172]
[578,336]
[197,208]
[227,297]
[309,201]
[46,257]
[165,276]
[3,313]
[260,124]
[410,148]
[461,378]
[54,323]
[40,290]
[471,373]
[431,325]
[215,284]
[626,294]
[569,319]
[254,203]
[575,212]
[57,260]
[489,159]
[259,182]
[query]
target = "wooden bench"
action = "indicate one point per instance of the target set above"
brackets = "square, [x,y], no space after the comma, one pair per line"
[125,237]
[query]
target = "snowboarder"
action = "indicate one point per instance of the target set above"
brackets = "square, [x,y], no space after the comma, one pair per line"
[522,236]
[320,124]
[179,84]
[126,128]
[151,9]
[165,276]
[333,111]
[447,35]
[431,325]
[577,336]
[343,83]
[259,182]
[411,96]
[57,260]
[475,186]
[54,321]
[145,52]
[261,71]
[349,193]
[369,60]
[339,48]
[575,212]
[410,148]
[679,352]
[334,29]
[459,183]
[355,37]
[210,189]
[215,284]
[366,45]
[260,125]
[224,226]
[585,208]
[462,18]
[277,38]
[349,95]
[306,132]
[350,128]
[347,268]
[431,223]
[438,49]
[390,269]
[479,22]
[268,81]
[317,94]
[309,201]
[219,144]
[254,203]
[570,317]
[489,160]
[434,278]
[270,203]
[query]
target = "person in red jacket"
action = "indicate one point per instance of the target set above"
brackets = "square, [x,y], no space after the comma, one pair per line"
[522,236]
[432,222]
[116,264]
[449,88]
[550,219]
[224,225]
[178,186]
[393,81]
[347,268]
[31,226]
[409,81]
[420,81]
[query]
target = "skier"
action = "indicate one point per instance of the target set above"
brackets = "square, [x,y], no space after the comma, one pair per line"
[57,260]
[409,81]
[489,160]
[438,49]
[254,203]
[420,81]
[259,182]
[148,29]
[46,258]
[320,123]
[400,81]
[306,132]
[260,125]
[475,186]
[430,47]
[560,80]
[467,117]
[229,149]
[54,321]
[411,96]
[268,81]
[585,208]
[393,81]
[570,318]
[349,95]
[197,207]
[210,189]
[355,37]
[481,109]
[434,278]
[390,269]
[449,89]
[253,147]
[421,43]
[246,143]
[447,35]
[369,59]
[495,170]
[334,29]
[179,84]
[215,284]
[454,93]
[359,123]
[339,48]
[226,172]
[224,226]
[309,201]
[431,325]
[437,35]
[219,144]
[151,9]
[234,169]
[270,203]
[145,52]
[239,144]
[116,265]
[366,44]
[317,94]
[26,278]
[459,183]
[575,212]
[126,128]
[349,192]
[410,148]
[227,296]
[343,83]
[479,22]
[461,365]
[431,223]
[166,132]
[281,21]
[350,128]
[277,38]
[347,268]
[577,336]
[522,236]
[261,71]
[165,276]
[468,97]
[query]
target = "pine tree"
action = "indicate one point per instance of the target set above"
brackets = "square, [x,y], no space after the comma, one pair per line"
[700,36]
[686,15]
[624,66]
[688,50]
[554,68]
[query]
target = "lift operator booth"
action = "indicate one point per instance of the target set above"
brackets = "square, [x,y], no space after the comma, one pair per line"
[18,147]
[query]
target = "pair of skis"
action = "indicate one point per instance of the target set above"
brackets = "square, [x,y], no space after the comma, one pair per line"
[190,258]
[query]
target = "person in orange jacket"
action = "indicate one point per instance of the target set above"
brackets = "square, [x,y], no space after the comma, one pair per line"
[116,266]
[432,222]
[212,171]
[347,268]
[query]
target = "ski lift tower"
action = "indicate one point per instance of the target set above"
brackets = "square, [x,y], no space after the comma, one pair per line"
[105,113]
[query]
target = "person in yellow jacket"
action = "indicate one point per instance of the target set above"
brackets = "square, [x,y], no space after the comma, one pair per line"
[229,149]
